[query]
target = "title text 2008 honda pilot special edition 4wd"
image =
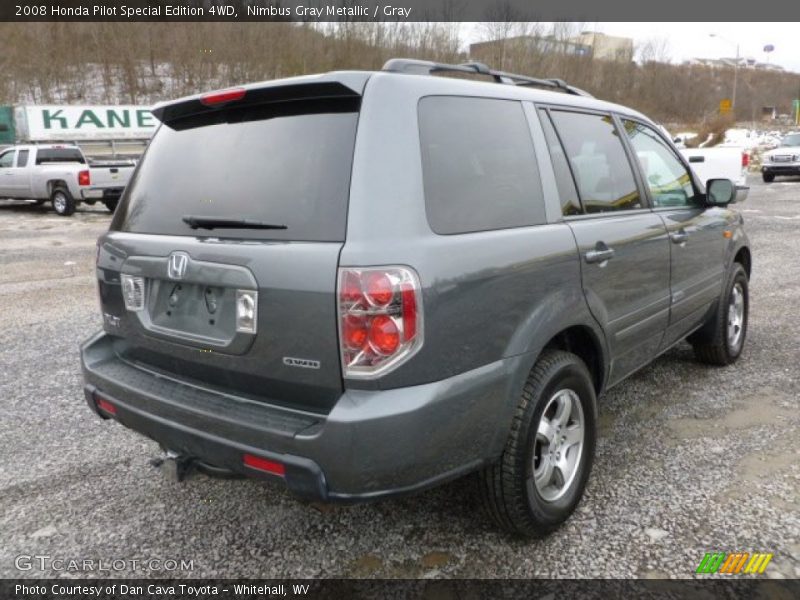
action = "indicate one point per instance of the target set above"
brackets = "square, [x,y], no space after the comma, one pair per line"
[366,284]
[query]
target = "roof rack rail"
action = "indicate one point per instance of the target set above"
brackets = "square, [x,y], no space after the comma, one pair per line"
[426,67]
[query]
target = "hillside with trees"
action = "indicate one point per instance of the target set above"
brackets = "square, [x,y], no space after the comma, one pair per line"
[147,62]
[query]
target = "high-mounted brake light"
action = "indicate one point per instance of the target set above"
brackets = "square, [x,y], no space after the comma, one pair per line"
[262,464]
[84,178]
[380,319]
[223,96]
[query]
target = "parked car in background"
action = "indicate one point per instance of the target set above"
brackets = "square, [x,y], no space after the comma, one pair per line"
[396,279]
[783,160]
[62,175]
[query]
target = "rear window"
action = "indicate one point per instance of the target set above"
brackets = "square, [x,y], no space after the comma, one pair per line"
[285,164]
[51,155]
[478,165]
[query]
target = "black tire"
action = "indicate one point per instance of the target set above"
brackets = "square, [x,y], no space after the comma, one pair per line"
[63,202]
[111,205]
[509,493]
[712,343]
[768,177]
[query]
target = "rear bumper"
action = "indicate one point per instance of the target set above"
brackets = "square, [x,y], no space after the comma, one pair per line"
[100,193]
[372,444]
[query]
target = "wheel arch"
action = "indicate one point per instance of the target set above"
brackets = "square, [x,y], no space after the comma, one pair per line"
[56,183]
[584,338]
[744,258]
[585,343]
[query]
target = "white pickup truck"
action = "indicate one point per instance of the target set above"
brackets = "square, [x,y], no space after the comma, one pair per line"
[725,162]
[62,175]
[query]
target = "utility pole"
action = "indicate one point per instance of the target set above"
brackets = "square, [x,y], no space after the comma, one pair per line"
[735,80]
[735,69]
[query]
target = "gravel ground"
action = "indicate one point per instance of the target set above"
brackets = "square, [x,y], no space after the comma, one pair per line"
[690,459]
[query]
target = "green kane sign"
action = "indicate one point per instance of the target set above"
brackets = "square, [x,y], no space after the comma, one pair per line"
[42,123]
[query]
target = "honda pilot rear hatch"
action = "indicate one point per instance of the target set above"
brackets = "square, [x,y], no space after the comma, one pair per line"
[219,267]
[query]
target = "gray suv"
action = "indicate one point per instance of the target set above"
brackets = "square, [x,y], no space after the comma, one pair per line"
[364,284]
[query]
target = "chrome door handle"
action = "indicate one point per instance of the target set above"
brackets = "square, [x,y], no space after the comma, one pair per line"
[599,256]
[679,237]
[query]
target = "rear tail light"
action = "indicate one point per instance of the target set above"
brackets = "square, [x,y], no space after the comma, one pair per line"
[222,96]
[133,292]
[84,178]
[263,464]
[380,319]
[246,311]
[745,159]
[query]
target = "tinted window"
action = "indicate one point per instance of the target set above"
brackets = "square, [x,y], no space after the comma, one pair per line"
[6,160]
[22,158]
[48,155]
[668,180]
[287,165]
[570,205]
[478,165]
[598,160]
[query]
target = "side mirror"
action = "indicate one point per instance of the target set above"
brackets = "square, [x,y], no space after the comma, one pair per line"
[720,192]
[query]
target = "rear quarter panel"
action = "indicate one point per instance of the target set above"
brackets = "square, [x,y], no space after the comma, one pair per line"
[486,296]
[43,175]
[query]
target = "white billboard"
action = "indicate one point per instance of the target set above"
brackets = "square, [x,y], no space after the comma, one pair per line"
[66,122]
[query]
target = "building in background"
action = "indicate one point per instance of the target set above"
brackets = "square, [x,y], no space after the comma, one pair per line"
[606,47]
[730,63]
[588,43]
[493,51]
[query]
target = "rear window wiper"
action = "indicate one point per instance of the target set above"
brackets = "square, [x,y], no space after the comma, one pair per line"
[196,222]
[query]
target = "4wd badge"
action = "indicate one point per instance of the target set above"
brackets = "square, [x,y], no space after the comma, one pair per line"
[303,363]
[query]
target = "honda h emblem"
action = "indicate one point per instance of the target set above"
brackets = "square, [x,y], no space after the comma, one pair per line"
[176,267]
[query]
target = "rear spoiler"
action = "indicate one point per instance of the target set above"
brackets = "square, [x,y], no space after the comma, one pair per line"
[342,84]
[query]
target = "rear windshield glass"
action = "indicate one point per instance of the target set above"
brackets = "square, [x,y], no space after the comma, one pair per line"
[286,165]
[50,155]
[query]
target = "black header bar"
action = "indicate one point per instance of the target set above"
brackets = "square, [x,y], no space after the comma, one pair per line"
[396,10]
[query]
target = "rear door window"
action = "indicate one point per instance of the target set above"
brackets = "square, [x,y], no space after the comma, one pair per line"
[598,160]
[570,204]
[478,164]
[286,165]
